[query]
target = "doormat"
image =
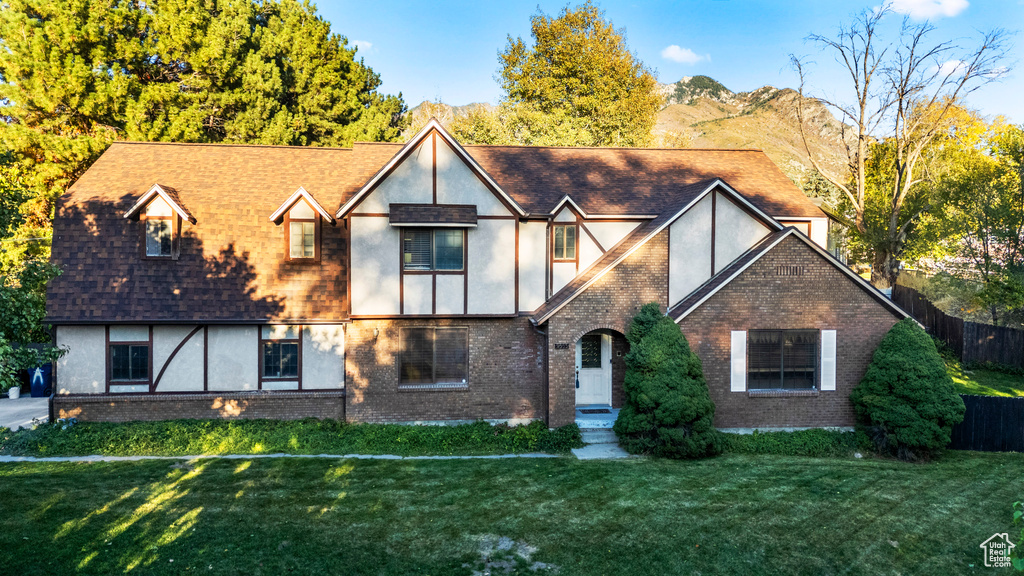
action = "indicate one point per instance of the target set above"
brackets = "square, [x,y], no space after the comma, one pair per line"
[595,411]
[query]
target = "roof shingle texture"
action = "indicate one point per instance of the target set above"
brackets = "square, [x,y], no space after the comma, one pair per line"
[233,265]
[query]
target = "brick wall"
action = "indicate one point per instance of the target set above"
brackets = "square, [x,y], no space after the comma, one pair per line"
[225,406]
[506,373]
[610,303]
[822,298]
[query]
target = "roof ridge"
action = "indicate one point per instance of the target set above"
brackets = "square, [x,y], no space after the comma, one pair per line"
[638,148]
[231,145]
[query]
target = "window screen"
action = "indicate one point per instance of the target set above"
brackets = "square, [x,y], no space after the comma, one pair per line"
[782,359]
[302,240]
[158,237]
[280,359]
[424,249]
[591,351]
[434,355]
[129,362]
[565,242]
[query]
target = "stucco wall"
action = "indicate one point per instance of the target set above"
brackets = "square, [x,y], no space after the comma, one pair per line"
[735,231]
[450,291]
[491,267]
[610,233]
[532,264]
[185,370]
[83,369]
[690,250]
[411,182]
[418,294]
[323,357]
[234,358]
[375,266]
[457,184]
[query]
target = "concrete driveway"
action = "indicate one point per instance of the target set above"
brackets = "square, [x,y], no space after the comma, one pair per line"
[19,413]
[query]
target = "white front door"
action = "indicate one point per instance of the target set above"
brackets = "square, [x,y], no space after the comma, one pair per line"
[594,369]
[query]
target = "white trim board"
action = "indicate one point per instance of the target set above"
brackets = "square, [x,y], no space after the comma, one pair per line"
[301,193]
[157,190]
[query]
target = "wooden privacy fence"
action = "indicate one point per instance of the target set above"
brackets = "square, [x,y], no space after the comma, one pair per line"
[972,342]
[991,424]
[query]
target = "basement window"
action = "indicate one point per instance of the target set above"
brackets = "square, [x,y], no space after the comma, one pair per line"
[434,356]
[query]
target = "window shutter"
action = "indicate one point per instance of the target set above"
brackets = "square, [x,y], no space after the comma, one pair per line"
[738,381]
[828,359]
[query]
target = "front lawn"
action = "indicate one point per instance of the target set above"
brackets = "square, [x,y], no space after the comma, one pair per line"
[735,514]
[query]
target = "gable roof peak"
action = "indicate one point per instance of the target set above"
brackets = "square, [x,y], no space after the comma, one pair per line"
[304,194]
[169,195]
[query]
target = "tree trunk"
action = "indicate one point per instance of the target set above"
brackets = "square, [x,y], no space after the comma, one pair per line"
[885,269]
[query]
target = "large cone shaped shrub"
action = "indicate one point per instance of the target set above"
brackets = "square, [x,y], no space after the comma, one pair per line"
[668,411]
[906,400]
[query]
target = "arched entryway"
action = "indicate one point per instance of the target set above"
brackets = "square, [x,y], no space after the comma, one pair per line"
[600,368]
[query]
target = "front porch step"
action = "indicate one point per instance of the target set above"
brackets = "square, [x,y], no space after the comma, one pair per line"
[599,436]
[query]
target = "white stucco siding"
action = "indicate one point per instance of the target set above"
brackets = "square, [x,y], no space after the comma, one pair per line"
[819,232]
[234,358]
[532,262]
[457,184]
[411,182]
[589,252]
[375,266]
[184,373]
[418,294]
[610,233]
[491,267]
[561,274]
[323,357]
[129,333]
[565,215]
[689,262]
[83,370]
[450,294]
[735,231]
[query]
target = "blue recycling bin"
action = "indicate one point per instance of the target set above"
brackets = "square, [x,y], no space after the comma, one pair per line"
[41,380]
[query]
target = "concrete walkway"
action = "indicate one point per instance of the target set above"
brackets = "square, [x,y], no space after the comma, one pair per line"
[252,456]
[601,444]
[21,413]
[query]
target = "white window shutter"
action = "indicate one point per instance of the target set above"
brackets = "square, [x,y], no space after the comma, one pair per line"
[828,359]
[738,381]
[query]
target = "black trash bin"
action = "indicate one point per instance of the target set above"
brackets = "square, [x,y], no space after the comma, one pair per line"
[41,380]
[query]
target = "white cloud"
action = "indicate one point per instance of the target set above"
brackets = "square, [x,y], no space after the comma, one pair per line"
[950,66]
[683,55]
[362,45]
[928,9]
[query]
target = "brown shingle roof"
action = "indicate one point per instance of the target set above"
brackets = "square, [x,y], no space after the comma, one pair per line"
[233,265]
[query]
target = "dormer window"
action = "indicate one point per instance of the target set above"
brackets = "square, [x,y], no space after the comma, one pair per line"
[303,238]
[301,215]
[159,222]
[161,215]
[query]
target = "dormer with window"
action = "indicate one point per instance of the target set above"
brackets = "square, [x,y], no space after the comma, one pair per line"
[301,216]
[161,214]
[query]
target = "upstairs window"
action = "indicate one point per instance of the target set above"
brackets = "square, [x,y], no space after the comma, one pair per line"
[433,249]
[303,225]
[159,227]
[782,359]
[564,241]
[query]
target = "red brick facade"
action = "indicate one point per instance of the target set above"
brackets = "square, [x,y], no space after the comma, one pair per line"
[821,298]
[506,373]
[225,405]
[610,303]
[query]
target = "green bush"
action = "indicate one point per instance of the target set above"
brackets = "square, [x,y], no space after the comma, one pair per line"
[906,401]
[198,437]
[668,411]
[817,442]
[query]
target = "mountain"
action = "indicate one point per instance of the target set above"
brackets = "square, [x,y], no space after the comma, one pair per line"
[700,112]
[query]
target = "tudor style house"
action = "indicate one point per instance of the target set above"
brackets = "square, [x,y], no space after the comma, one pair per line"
[432,281]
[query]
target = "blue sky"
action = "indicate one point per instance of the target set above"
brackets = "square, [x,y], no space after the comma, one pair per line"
[447,49]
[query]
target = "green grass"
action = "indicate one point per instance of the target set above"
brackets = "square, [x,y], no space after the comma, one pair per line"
[984,382]
[196,437]
[735,514]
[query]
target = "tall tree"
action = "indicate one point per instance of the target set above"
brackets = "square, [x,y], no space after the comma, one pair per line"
[578,84]
[903,92]
[78,74]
